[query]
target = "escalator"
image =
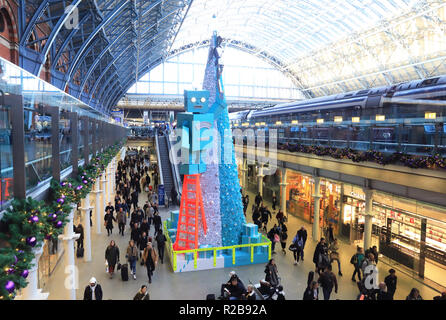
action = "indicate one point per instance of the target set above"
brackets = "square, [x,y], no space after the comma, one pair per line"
[165,165]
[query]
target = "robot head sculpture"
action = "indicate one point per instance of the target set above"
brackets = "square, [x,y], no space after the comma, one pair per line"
[196,134]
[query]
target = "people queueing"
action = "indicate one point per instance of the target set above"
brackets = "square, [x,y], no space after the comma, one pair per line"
[93,291]
[112,257]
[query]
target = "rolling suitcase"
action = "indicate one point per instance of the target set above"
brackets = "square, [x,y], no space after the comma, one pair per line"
[80,252]
[125,272]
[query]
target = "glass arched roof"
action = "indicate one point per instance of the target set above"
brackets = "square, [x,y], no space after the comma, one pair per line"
[287,29]
[325,46]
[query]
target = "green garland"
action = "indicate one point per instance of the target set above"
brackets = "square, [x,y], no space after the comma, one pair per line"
[28,222]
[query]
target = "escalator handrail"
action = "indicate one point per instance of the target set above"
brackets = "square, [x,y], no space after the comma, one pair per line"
[175,174]
[160,169]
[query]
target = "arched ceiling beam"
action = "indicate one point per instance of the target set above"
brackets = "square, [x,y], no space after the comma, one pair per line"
[54,32]
[104,72]
[111,16]
[98,58]
[67,41]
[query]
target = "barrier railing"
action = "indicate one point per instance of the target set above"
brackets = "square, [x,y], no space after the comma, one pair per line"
[173,254]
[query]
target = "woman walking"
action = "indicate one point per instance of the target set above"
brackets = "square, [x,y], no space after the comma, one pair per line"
[132,257]
[283,237]
[108,221]
[112,257]
[333,250]
[272,274]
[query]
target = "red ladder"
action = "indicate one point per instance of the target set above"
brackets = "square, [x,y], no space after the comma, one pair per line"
[191,204]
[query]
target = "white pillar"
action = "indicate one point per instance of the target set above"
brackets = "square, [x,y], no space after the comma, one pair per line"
[283,185]
[87,229]
[244,169]
[260,179]
[368,216]
[32,291]
[70,265]
[317,197]
[104,191]
[98,206]
[109,185]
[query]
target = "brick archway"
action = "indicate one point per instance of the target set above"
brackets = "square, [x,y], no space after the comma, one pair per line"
[9,34]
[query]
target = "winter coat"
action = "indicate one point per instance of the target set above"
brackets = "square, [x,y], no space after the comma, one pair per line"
[108,218]
[272,275]
[132,252]
[142,242]
[161,240]
[112,255]
[140,296]
[309,294]
[121,217]
[88,292]
[150,257]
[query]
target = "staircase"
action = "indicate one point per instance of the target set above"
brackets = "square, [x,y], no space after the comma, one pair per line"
[164,162]
[190,209]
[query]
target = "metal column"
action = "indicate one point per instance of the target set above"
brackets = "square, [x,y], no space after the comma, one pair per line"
[18,144]
[85,133]
[55,141]
[74,128]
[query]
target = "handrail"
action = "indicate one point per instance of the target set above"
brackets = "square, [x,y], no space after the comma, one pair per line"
[160,169]
[174,253]
[175,173]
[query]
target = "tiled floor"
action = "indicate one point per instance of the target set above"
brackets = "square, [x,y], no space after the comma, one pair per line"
[196,285]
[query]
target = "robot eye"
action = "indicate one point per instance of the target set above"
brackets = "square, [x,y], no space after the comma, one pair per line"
[203,99]
[193,99]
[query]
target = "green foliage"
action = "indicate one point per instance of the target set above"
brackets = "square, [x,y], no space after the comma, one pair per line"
[16,255]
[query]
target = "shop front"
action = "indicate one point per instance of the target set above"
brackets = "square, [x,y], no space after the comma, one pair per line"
[353,208]
[412,234]
[300,201]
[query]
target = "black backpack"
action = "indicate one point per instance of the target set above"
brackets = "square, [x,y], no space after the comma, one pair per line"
[354,259]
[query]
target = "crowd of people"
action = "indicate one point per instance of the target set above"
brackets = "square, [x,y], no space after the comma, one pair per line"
[133,175]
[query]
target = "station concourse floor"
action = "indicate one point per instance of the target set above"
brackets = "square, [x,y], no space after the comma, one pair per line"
[195,285]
